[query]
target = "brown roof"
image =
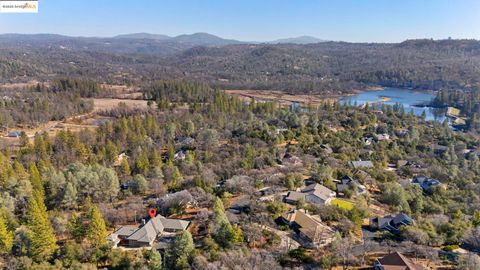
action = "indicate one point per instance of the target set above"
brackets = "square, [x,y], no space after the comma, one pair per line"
[312,226]
[397,261]
[305,220]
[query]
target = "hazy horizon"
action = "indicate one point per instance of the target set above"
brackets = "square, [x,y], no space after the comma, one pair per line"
[248,20]
[244,41]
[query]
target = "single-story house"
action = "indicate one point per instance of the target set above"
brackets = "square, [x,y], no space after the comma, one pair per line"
[314,193]
[309,228]
[147,233]
[357,164]
[318,194]
[396,261]
[425,182]
[391,223]
[349,183]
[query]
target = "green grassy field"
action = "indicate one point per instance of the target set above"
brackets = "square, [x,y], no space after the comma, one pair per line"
[342,204]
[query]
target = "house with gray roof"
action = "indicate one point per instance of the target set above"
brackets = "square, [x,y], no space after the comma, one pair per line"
[314,193]
[15,134]
[318,194]
[293,197]
[391,223]
[146,234]
[425,183]
[173,225]
[357,164]
[121,234]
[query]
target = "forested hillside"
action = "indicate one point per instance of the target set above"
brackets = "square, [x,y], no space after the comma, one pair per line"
[327,67]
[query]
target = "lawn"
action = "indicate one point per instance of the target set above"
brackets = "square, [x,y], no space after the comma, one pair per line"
[342,204]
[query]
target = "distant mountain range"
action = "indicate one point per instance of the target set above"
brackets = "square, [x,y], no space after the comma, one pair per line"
[205,39]
[298,40]
[142,43]
[144,36]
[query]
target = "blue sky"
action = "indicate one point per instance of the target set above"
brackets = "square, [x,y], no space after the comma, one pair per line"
[255,20]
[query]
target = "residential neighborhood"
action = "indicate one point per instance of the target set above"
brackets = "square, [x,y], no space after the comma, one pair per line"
[232,135]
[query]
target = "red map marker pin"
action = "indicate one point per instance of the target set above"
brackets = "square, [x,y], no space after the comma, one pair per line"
[152,212]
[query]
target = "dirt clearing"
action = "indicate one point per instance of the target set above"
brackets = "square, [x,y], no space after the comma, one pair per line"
[105,104]
[281,97]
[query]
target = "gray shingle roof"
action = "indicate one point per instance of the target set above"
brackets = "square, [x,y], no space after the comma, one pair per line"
[147,233]
[126,231]
[154,227]
[361,164]
[294,196]
[320,191]
[173,224]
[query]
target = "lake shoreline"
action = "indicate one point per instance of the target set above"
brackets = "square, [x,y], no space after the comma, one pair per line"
[419,101]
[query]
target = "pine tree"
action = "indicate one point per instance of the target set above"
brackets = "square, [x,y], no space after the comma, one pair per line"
[142,163]
[43,241]
[154,260]
[224,233]
[36,179]
[170,154]
[218,207]
[76,228]
[238,234]
[125,167]
[111,151]
[38,191]
[190,159]
[155,160]
[180,251]
[20,171]
[6,237]
[176,179]
[96,231]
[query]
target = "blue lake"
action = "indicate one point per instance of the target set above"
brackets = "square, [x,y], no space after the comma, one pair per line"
[391,96]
